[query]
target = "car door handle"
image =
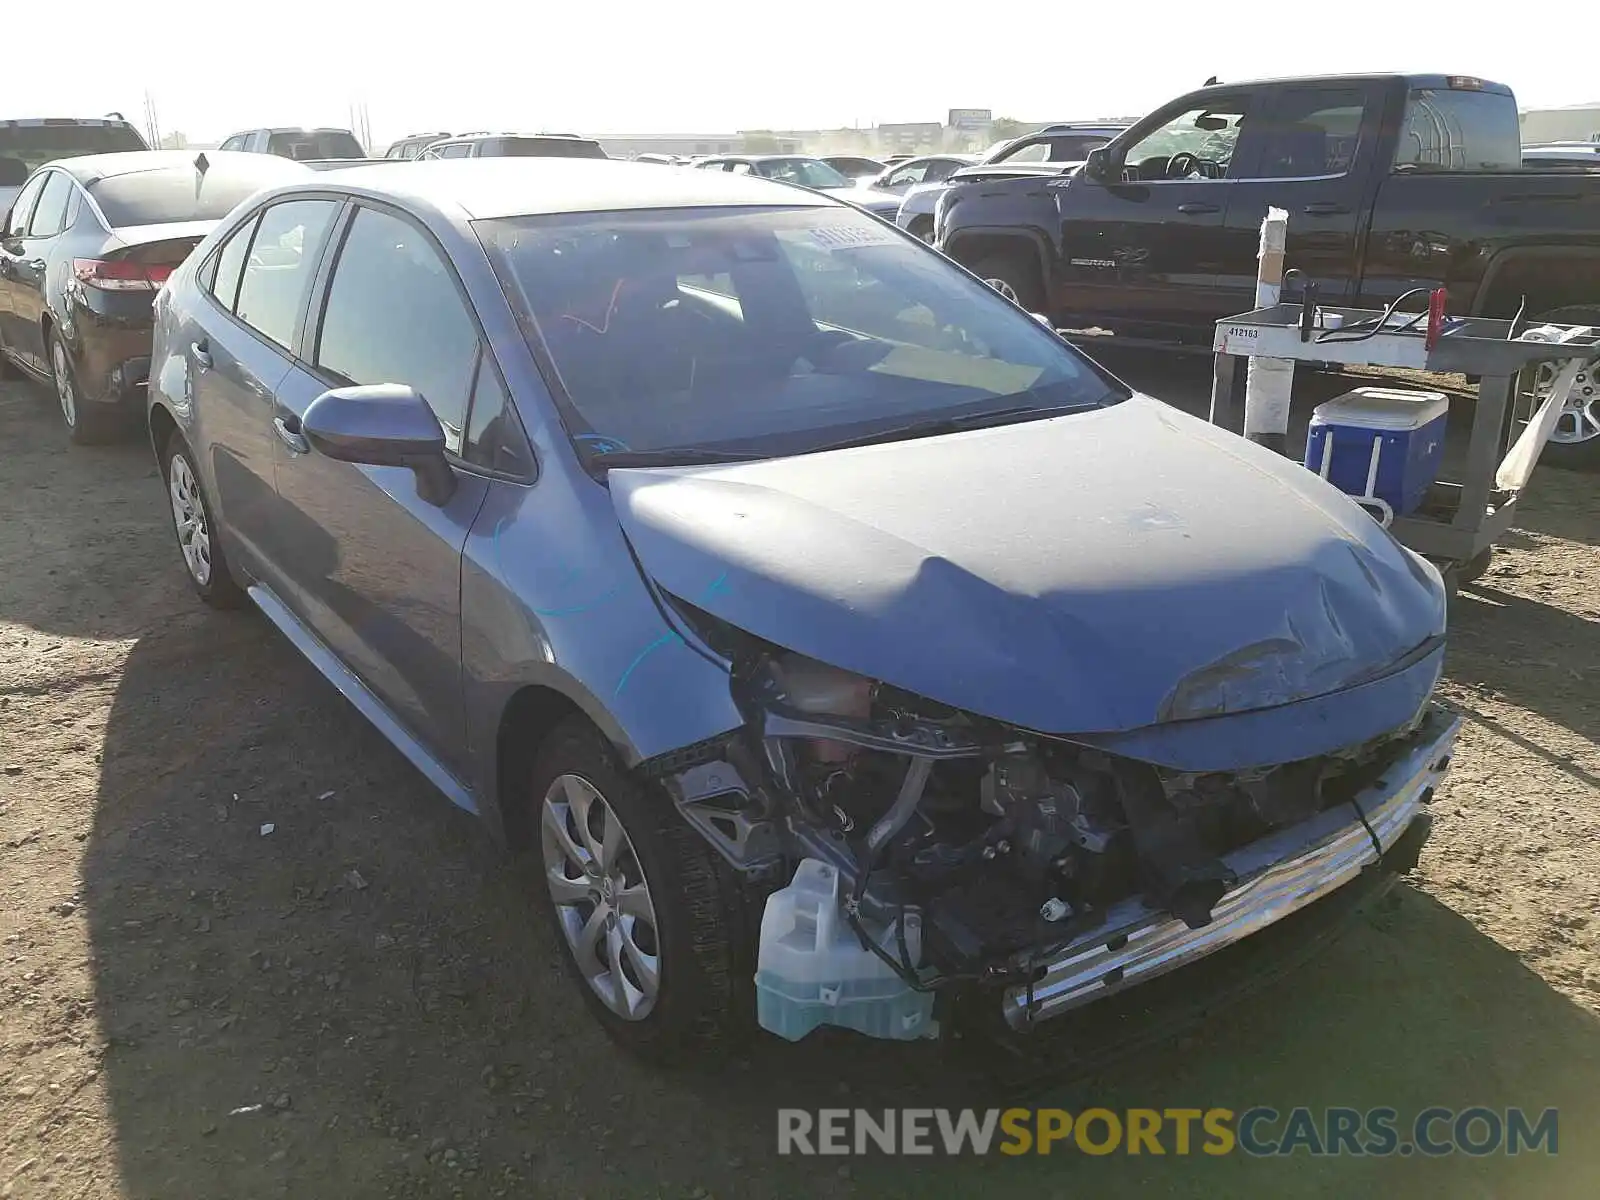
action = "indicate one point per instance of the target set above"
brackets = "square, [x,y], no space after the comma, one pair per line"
[34,264]
[201,353]
[289,433]
[1325,208]
[1196,210]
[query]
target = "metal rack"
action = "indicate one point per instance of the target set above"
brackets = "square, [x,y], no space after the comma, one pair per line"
[1459,521]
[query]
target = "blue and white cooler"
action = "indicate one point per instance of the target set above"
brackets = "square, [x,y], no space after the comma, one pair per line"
[1380,445]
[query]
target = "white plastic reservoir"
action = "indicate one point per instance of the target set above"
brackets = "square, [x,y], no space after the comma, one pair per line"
[812,969]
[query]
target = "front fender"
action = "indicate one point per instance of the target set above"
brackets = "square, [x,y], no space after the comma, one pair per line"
[551,597]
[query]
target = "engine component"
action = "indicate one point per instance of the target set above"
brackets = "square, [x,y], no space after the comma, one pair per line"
[813,969]
[808,686]
[1179,872]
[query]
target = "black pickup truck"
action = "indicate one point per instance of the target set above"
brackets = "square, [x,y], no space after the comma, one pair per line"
[1391,182]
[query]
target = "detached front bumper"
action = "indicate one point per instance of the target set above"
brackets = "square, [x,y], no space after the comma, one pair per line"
[1278,875]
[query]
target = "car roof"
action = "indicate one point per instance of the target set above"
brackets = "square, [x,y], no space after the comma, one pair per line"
[506,187]
[1440,82]
[89,169]
[35,122]
[480,134]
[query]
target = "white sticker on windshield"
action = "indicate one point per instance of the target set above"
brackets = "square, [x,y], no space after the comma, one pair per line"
[849,237]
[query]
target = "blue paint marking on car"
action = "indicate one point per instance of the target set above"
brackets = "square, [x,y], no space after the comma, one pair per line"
[808,548]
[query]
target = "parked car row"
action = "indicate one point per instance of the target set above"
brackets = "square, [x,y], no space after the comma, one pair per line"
[621,501]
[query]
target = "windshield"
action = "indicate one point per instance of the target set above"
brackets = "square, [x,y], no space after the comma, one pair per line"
[36,145]
[807,172]
[768,330]
[305,144]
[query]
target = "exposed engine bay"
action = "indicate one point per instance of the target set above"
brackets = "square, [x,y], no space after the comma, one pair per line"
[997,848]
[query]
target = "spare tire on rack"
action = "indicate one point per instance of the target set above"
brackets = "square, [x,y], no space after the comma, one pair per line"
[1575,442]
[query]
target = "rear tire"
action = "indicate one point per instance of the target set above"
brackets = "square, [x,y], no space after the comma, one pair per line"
[1015,277]
[86,424]
[1579,427]
[193,523]
[686,920]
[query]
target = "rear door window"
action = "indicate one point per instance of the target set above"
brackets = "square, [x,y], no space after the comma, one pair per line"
[1312,132]
[50,216]
[455,150]
[283,257]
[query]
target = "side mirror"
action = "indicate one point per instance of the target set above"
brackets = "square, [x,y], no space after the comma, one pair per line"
[1097,166]
[382,425]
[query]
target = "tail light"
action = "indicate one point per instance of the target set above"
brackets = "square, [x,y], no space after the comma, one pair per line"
[120,274]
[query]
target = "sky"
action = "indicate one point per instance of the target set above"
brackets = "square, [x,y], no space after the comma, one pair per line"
[715,66]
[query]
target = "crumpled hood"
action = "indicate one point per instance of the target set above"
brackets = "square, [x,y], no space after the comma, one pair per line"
[1094,572]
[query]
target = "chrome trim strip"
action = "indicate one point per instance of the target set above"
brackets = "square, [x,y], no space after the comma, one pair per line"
[1279,875]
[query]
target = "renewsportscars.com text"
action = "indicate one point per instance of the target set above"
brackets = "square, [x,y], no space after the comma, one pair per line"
[1260,1131]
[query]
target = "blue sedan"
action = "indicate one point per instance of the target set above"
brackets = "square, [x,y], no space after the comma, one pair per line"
[835,637]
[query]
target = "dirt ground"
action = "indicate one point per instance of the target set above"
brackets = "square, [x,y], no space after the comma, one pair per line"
[358,1003]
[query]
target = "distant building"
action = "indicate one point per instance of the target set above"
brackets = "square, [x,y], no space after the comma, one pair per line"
[1574,123]
[672,143]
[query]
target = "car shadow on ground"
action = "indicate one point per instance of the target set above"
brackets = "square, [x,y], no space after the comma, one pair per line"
[1534,655]
[317,978]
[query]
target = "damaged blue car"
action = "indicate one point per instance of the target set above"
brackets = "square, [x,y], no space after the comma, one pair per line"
[844,647]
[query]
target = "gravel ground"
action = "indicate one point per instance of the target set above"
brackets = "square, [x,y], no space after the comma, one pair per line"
[359,1004]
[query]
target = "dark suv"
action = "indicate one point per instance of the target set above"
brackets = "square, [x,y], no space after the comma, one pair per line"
[299,144]
[514,145]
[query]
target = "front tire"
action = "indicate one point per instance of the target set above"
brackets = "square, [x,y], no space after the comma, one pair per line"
[653,927]
[1574,444]
[196,529]
[1015,277]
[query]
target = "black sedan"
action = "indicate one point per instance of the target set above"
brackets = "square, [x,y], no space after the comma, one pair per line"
[83,251]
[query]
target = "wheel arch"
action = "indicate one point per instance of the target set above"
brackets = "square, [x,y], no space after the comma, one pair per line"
[1548,276]
[970,246]
[526,719]
[161,425]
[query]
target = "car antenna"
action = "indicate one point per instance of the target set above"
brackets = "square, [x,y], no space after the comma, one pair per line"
[1212,82]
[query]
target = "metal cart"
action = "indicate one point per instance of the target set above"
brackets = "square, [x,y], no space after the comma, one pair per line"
[1458,522]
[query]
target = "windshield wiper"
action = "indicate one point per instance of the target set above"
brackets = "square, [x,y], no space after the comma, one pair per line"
[670,456]
[935,426]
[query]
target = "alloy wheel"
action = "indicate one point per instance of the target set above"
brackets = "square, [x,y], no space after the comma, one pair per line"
[64,390]
[189,517]
[1005,289]
[601,897]
[1580,415]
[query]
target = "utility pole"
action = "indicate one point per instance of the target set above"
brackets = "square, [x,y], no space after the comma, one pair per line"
[151,123]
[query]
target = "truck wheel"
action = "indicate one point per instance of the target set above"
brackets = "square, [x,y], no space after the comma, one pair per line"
[653,926]
[1575,442]
[1015,277]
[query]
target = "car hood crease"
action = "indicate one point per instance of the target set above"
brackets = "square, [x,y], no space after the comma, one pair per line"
[1094,572]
